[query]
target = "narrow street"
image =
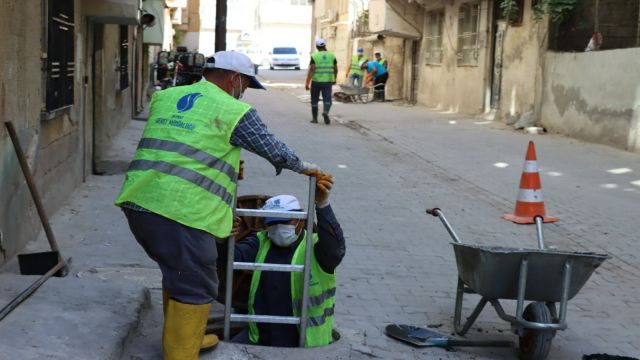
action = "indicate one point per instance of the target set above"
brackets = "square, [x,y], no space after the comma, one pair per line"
[390,163]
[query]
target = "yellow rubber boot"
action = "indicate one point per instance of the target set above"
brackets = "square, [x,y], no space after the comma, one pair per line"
[184,326]
[209,341]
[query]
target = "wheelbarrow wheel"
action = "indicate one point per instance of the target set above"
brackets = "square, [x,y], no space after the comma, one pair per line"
[535,344]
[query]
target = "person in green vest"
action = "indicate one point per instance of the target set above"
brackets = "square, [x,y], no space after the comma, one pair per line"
[280,293]
[179,191]
[321,77]
[357,75]
[382,61]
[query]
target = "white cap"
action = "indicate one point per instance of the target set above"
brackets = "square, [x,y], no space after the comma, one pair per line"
[320,42]
[235,61]
[281,203]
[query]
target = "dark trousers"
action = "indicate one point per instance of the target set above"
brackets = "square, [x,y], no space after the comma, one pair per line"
[378,86]
[186,256]
[325,89]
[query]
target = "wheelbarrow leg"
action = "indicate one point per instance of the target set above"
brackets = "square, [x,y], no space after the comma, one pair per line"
[458,311]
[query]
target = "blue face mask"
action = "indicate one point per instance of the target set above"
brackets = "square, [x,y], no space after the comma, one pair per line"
[282,235]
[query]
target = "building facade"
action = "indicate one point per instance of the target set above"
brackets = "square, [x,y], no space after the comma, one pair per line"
[572,76]
[68,85]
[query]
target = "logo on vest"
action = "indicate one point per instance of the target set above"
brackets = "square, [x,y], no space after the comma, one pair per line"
[186,102]
[312,281]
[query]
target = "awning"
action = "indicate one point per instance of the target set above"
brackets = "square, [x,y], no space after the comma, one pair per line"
[121,12]
[384,20]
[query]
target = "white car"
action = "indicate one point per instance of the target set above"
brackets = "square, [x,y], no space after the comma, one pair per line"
[284,57]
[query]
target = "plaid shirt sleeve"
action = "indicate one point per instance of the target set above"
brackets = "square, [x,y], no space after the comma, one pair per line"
[252,134]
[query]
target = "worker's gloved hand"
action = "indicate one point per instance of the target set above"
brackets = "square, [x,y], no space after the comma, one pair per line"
[309,169]
[241,171]
[324,184]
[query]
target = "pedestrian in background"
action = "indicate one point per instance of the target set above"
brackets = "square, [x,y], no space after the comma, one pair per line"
[321,76]
[277,293]
[378,75]
[381,60]
[180,188]
[356,77]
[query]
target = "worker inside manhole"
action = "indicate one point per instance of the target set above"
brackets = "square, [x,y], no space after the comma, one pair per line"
[275,290]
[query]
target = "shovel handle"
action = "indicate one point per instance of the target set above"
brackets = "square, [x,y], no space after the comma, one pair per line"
[480,343]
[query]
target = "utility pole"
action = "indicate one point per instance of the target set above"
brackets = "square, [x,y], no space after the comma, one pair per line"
[221,25]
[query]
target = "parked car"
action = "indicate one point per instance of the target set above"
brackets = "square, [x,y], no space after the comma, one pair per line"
[284,57]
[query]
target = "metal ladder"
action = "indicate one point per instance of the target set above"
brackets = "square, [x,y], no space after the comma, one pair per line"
[309,215]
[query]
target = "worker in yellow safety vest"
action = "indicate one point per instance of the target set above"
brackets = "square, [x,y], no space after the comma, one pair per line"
[280,294]
[321,76]
[180,189]
[353,72]
[381,60]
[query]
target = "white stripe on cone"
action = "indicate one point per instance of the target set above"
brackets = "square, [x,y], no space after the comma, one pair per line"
[530,166]
[530,195]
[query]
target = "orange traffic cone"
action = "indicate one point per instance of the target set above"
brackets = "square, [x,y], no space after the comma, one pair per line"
[529,203]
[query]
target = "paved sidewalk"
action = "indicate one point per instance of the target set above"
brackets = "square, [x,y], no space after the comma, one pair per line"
[390,163]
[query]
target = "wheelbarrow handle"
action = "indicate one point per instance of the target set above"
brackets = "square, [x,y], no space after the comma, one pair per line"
[438,213]
[433,211]
[480,343]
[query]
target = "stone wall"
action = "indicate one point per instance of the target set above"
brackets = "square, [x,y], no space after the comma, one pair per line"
[594,96]
[52,145]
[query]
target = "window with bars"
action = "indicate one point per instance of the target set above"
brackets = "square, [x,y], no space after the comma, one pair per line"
[124,57]
[60,65]
[433,47]
[468,20]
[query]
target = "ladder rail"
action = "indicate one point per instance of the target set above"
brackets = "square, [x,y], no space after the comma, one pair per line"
[267,267]
[231,245]
[307,260]
[271,213]
[305,269]
[294,320]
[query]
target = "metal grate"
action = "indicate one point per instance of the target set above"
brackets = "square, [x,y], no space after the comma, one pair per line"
[60,65]
[433,47]
[124,57]
[468,16]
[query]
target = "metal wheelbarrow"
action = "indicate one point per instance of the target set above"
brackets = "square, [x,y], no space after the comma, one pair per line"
[356,94]
[542,276]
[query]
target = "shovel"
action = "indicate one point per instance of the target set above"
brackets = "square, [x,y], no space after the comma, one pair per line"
[422,337]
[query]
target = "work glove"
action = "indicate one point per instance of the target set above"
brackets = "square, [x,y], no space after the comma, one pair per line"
[324,183]
[309,169]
